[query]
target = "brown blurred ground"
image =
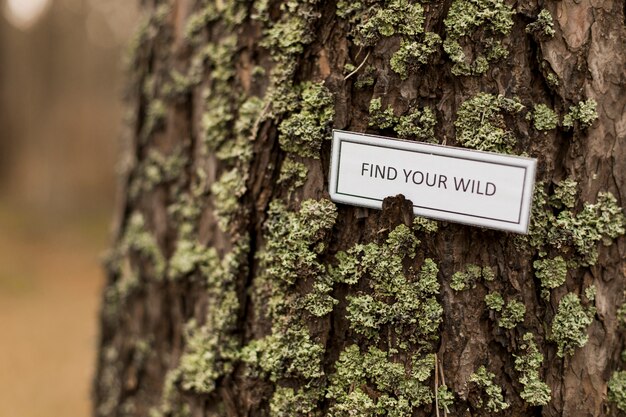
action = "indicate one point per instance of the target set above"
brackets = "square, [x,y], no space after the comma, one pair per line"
[60,120]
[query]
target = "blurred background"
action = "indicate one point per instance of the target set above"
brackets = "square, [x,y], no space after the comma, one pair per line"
[61,112]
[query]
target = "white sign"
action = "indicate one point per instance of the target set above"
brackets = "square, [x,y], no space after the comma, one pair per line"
[460,185]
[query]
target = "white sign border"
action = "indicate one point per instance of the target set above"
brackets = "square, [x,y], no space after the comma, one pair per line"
[528,164]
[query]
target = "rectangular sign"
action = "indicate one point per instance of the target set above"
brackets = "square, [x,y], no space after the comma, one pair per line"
[446,183]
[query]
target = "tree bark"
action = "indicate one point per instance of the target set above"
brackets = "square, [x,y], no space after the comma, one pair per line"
[236,288]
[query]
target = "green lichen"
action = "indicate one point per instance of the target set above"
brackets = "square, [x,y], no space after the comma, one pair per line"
[488,273]
[535,392]
[287,402]
[220,101]
[227,191]
[295,239]
[292,174]
[155,119]
[372,383]
[138,239]
[285,39]
[198,22]
[445,397]
[512,314]
[189,256]
[552,79]
[564,194]
[466,279]
[621,314]
[417,124]
[573,232]
[494,301]
[423,224]
[617,389]
[157,169]
[543,25]
[480,123]
[468,16]
[551,272]
[406,306]
[286,353]
[366,77]
[485,380]
[240,147]
[590,293]
[304,130]
[544,118]
[584,113]
[569,327]
[396,17]
[413,54]
[382,119]
[212,347]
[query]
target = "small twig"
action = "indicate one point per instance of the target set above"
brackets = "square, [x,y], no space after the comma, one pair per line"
[359,67]
[443,381]
[436,386]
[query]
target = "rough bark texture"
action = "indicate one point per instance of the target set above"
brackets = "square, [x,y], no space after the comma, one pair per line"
[236,289]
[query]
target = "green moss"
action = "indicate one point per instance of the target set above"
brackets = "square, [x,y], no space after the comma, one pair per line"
[617,389]
[303,131]
[227,191]
[551,272]
[463,19]
[494,301]
[485,380]
[544,118]
[543,25]
[413,54]
[569,327]
[536,392]
[512,314]
[292,174]
[584,113]
[379,118]
[466,279]
[373,384]
[479,123]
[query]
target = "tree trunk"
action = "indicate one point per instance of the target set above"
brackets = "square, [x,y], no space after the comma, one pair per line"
[236,288]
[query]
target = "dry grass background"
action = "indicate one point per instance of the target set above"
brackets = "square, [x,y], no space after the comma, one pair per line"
[61,114]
